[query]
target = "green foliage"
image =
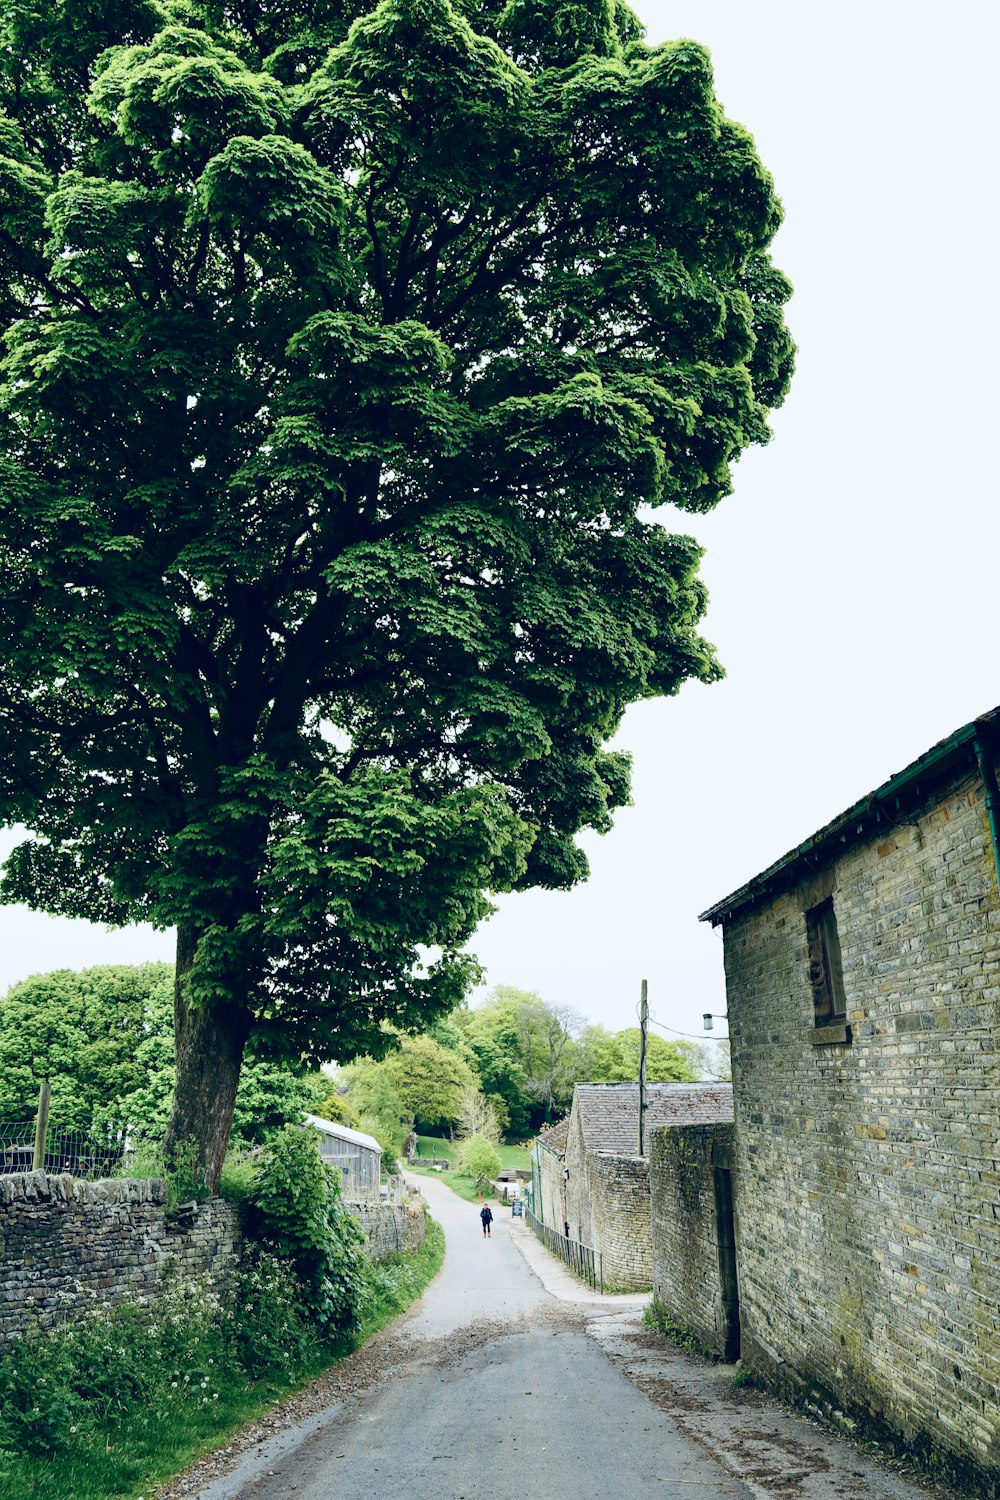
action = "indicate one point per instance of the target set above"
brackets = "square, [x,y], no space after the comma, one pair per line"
[344,366]
[492,1038]
[373,1094]
[104,1036]
[120,1400]
[479,1158]
[239,1173]
[603,1057]
[300,1215]
[339,1109]
[88,1033]
[657,1317]
[429,1080]
[387,1139]
[397,1280]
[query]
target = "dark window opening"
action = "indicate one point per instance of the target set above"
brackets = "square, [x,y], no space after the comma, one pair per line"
[728,1275]
[825,972]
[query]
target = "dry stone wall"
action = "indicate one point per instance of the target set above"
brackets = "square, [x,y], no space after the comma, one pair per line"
[67,1246]
[391,1227]
[868,1170]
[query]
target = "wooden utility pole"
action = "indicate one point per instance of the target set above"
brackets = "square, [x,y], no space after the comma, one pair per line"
[42,1124]
[643,1028]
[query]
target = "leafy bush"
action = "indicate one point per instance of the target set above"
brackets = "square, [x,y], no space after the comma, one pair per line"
[59,1389]
[300,1215]
[339,1109]
[478,1158]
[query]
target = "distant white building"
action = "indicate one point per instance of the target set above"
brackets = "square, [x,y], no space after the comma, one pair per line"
[358,1157]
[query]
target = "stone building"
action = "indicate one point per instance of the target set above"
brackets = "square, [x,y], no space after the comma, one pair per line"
[595,1181]
[863,974]
[548,1186]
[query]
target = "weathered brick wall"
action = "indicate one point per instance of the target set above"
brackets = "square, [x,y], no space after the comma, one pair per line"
[67,1244]
[552,1188]
[868,1172]
[620,1220]
[687,1279]
[390,1227]
[577,1198]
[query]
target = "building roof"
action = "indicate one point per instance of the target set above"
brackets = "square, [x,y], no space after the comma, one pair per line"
[342,1133]
[875,813]
[556,1136]
[609,1112]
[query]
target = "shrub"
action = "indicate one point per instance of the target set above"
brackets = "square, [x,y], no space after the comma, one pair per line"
[299,1213]
[478,1158]
[338,1108]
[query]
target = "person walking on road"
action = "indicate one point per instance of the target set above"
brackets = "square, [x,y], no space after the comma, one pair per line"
[486,1214]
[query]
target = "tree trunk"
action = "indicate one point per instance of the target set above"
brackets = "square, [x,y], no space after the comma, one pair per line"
[209,1042]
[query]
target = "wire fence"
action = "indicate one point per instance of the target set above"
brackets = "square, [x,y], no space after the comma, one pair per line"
[586,1263]
[69,1151]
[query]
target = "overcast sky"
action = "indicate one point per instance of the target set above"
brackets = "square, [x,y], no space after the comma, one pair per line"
[853,572]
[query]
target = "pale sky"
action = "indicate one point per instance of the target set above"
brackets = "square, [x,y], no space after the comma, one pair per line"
[853,572]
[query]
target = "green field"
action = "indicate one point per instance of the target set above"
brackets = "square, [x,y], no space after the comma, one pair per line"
[442,1148]
[465,1187]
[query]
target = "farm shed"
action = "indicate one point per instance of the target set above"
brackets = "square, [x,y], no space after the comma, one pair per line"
[356,1155]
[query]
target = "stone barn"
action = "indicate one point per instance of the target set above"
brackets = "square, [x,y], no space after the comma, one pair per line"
[863,1171]
[605,1201]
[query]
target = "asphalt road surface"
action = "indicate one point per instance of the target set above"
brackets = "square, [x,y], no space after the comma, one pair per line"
[492,1386]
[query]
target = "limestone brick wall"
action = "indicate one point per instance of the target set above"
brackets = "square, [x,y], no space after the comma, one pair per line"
[390,1227]
[552,1188]
[577,1198]
[868,1171]
[687,1278]
[620,1220]
[66,1244]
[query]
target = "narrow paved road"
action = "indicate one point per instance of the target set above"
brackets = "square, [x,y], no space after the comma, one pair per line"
[495,1387]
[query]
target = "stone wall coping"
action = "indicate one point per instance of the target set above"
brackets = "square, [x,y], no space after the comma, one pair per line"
[33,1186]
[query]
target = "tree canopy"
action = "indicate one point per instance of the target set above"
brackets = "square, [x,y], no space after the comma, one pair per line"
[87,1033]
[522,1056]
[104,1039]
[348,353]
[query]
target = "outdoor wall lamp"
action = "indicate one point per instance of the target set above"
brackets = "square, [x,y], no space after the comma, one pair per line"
[709,1017]
[565,1174]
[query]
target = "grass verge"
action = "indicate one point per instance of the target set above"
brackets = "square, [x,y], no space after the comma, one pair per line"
[128,1448]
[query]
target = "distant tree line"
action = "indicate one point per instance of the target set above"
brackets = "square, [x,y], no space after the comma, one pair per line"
[104,1038]
[504,1069]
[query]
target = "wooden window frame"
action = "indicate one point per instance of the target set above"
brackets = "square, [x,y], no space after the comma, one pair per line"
[826,974]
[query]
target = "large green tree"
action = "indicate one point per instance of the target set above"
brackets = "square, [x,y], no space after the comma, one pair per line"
[104,1039]
[346,354]
[87,1032]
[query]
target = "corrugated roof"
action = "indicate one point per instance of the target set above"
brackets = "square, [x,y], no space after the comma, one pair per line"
[556,1136]
[609,1112]
[342,1133]
[877,811]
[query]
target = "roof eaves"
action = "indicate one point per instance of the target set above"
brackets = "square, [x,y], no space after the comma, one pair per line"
[864,817]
